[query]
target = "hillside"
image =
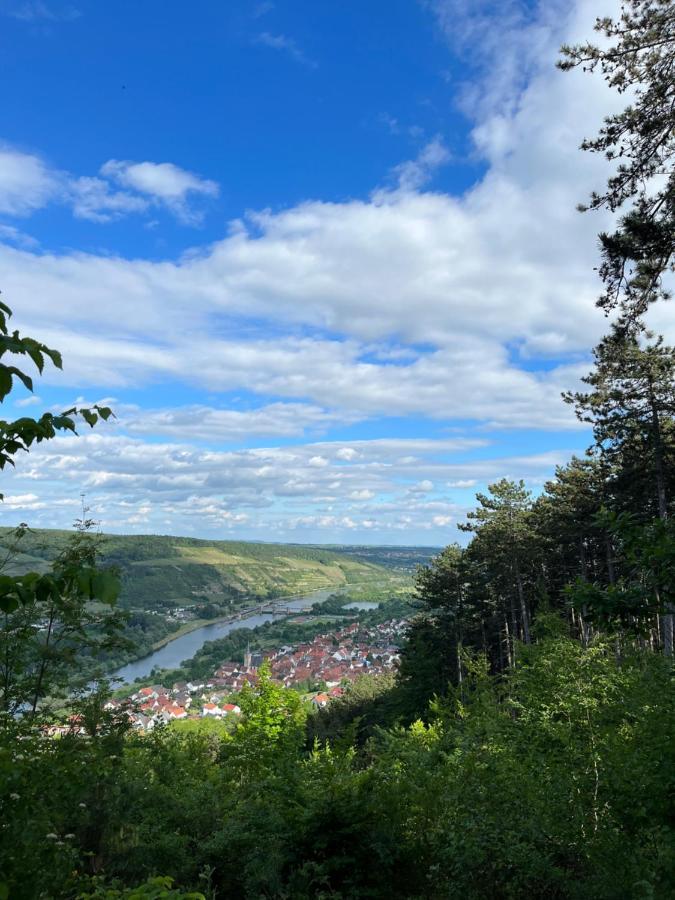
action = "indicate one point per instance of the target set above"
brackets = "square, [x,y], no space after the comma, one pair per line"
[398,558]
[164,571]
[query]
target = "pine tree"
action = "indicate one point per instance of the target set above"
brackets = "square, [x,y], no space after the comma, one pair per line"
[502,525]
[637,56]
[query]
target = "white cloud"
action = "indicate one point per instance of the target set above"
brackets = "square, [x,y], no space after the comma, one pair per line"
[132,485]
[442,521]
[363,494]
[476,307]
[203,423]
[164,183]
[473,293]
[422,487]
[93,199]
[346,453]
[14,236]
[317,462]
[414,174]
[33,400]
[26,182]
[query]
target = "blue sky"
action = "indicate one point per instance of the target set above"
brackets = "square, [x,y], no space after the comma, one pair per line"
[323,259]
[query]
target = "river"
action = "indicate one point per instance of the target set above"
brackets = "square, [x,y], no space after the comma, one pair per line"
[171,655]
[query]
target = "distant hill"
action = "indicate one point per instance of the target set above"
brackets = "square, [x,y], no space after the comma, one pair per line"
[401,559]
[163,571]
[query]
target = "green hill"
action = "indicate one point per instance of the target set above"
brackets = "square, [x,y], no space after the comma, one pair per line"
[163,571]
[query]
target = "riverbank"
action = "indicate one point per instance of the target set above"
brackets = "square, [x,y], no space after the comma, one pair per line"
[171,650]
[247,611]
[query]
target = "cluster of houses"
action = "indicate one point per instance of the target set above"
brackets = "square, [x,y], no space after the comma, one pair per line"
[334,659]
[340,657]
[155,704]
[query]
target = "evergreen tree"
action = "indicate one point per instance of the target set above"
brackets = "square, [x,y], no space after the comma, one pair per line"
[631,406]
[504,536]
[636,57]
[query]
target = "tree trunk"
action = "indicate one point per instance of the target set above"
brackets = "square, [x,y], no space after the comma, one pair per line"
[523,607]
[609,550]
[43,664]
[509,658]
[658,456]
[514,627]
[667,620]
[667,628]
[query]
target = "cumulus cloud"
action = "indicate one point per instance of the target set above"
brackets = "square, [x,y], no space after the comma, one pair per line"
[204,423]
[93,199]
[272,491]
[476,307]
[491,284]
[32,400]
[164,183]
[28,183]
[414,174]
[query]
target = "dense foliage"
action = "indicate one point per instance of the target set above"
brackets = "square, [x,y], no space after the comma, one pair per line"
[554,781]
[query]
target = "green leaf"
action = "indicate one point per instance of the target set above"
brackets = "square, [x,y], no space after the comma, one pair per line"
[55,357]
[105,587]
[8,603]
[36,355]
[89,417]
[44,589]
[5,382]
[85,583]
[27,380]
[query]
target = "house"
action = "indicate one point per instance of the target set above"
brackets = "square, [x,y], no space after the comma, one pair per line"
[227,669]
[210,709]
[321,700]
[146,693]
[169,713]
[142,723]
[231,709]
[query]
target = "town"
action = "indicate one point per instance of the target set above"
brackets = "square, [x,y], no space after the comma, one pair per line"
[332,661]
